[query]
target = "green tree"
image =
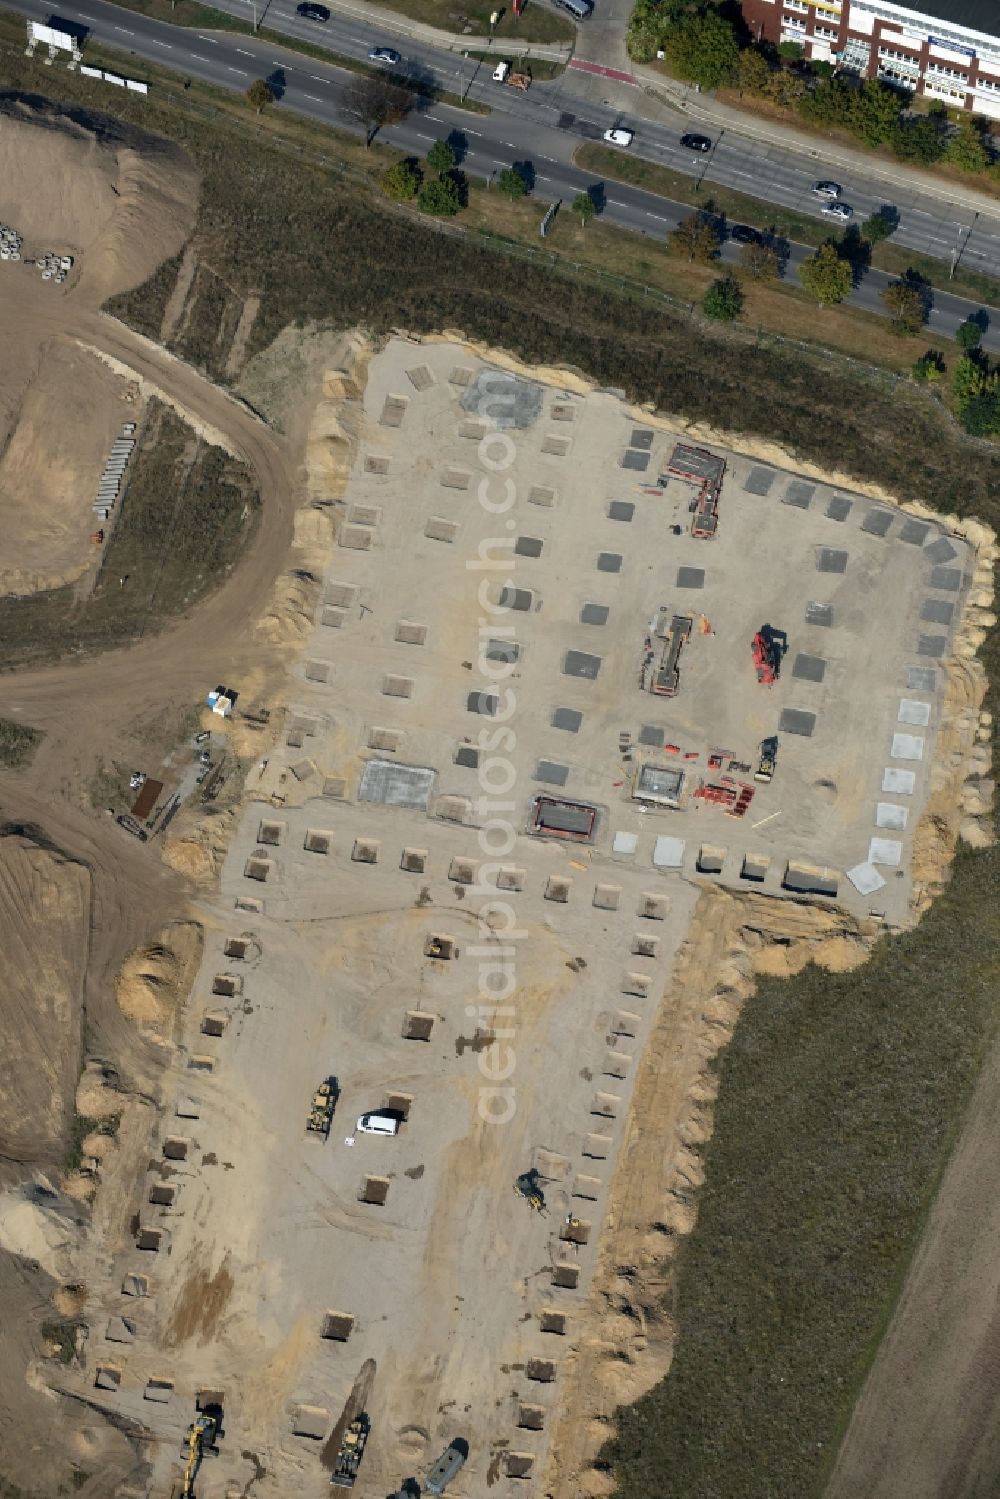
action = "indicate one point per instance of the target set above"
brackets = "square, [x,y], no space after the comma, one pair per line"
[968,336]
[704,49]
[906,301]
[929,366]
[695,237]
[511,182]
[401,181]
[259,95]
[761,262]
[878,226]
[753,72]
[786,88]
[874,111]
[965,148]
[583,204]
[440,197]
[825,276]
[791,51]
[441,156]
[723,300]
[918,139]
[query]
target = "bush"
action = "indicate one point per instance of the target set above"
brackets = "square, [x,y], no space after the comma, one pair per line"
[929,367]
[724,300]
[401,182]
[440,198]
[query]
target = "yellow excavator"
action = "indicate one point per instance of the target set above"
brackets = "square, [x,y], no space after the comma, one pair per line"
[201,1438]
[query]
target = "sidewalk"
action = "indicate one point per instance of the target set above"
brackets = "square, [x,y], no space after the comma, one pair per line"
[706,110]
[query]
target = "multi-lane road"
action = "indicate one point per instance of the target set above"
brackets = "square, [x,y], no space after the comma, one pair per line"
[543,128]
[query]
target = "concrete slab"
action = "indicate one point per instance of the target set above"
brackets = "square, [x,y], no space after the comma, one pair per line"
[690,577]
[937,611]
[839,507]
[940,551]
[922,679]
[830,560]
[946,578]
[889,815]
[886,851]
[668,853]
[907,747]
[796,721]
[914,712]
[799,494]
[624,844]
[865,878]
[900,782]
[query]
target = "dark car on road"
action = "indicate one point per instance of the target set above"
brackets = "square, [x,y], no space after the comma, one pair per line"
[310,12]
[742,234]
[696,142]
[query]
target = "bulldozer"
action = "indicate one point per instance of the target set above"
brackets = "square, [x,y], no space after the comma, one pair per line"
[202,1436]
[528,1186]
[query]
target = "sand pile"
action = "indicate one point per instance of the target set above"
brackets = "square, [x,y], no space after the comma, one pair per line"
[119,206]
[154,981]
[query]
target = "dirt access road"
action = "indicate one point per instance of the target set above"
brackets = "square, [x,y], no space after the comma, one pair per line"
[83,705]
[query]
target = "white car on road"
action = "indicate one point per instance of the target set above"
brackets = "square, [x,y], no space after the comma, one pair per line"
[619,137]
[841,211]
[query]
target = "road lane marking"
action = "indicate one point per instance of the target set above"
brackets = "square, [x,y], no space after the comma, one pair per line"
[243,52]
[213,40]
[125,30]
[242,72]
[157,43]
[312,98]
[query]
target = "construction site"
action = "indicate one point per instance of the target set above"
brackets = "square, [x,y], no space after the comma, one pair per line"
[565,674]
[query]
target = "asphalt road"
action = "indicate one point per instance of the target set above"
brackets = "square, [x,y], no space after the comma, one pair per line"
[542,129]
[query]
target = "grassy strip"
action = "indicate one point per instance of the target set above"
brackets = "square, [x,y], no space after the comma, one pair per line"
[18,743]
[741,208]
[840,1098]
[180,528]
[537,24]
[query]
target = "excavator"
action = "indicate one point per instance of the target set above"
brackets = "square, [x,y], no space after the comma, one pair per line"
[202,1436]
[528,1186]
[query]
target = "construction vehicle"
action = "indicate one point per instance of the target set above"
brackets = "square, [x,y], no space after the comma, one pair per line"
[528,1186]
[504,73]
[451,1462]
[768,759]
[96,537]
[322,1109]
[202,1437]
[131,826]
[768,648]
[352,1450]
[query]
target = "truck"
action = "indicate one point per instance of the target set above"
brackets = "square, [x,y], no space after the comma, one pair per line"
[451,1461]
[768,759]
[322,1109]
[352,1450]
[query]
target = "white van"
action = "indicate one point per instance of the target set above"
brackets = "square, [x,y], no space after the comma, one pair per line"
[580,10]
[379,1122]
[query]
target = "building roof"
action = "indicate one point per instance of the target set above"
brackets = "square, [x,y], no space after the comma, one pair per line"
[974,15]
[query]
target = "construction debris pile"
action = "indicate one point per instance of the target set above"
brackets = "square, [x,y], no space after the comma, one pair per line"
[53,267]
[10,243]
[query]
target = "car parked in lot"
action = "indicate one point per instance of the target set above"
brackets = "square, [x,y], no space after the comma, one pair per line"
[619,137]
[841,211]
[742,234]
[310,12]
[387,56]
[827,189]
[696,142]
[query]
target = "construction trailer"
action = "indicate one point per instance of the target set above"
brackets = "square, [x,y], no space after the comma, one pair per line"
[563,819]
[663,677]
[706,470]
[450,1463]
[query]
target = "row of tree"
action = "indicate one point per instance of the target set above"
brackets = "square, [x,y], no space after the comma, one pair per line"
[704,46]
[827,276]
